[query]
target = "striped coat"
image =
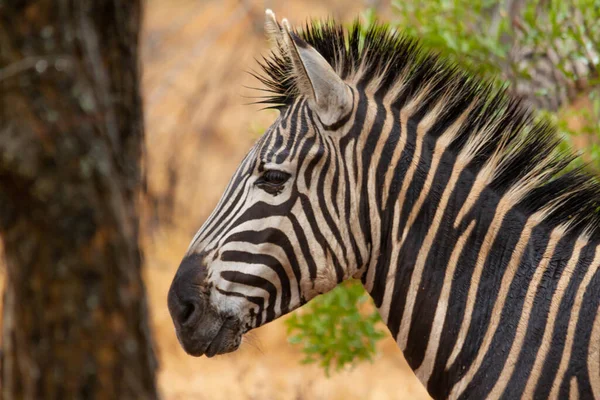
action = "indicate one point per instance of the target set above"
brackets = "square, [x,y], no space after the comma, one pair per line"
[444,196]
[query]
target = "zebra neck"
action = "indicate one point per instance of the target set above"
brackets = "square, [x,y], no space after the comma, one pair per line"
[456,271]
[453,264]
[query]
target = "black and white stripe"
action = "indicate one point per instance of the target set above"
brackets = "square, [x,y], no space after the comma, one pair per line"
[445,197]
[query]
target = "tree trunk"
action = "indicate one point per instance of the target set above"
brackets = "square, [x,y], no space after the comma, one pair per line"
[71,137]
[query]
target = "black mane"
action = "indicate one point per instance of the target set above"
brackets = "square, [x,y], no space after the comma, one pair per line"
[502,123]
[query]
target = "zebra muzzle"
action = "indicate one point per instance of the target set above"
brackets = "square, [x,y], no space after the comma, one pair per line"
[200,328]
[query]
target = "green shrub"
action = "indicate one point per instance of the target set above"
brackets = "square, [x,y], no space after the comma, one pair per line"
[333,331]
[556,41]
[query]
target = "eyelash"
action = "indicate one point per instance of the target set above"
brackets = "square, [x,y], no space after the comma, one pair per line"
[272,181]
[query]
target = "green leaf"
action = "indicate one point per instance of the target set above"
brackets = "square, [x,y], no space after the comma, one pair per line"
[332,328]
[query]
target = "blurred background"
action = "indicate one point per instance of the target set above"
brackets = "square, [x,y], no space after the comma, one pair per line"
[196,55]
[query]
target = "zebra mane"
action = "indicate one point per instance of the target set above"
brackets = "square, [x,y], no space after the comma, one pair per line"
[496,129]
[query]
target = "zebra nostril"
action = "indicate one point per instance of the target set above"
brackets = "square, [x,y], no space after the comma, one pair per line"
[187,313]
[185,298]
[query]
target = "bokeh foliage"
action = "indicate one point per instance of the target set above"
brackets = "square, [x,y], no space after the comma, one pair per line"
[334,329]
[545,51]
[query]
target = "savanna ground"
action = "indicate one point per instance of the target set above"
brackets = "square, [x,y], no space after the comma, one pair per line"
[196,54]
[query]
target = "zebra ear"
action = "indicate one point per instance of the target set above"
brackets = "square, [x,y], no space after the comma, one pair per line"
[328,95]
[273,29]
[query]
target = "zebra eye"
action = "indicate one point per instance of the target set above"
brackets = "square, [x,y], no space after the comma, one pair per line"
[275,177]
[272,180]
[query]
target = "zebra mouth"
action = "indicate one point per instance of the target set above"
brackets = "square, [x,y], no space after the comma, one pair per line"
[210,340]
[226,340]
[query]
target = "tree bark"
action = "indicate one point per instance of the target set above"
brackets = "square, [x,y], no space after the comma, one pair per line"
[71,136]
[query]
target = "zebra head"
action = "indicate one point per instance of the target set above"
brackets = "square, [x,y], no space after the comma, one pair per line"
[281,233]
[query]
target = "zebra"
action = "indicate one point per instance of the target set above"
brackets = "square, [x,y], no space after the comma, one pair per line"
[449,200]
